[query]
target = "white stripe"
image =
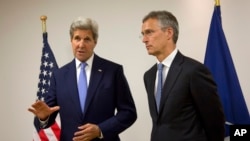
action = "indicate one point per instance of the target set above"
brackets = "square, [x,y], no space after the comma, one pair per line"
[58,120]
[36,136]
[50,134]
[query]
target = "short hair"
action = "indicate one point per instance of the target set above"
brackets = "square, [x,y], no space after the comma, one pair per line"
[84,24]
[166,19]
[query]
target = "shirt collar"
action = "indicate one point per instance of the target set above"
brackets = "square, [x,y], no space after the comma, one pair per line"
[168,60]
[89,62]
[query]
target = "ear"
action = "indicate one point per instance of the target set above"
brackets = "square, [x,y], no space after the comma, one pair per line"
[169,31]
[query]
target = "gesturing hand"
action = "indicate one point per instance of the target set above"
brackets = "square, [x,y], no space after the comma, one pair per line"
[42,110]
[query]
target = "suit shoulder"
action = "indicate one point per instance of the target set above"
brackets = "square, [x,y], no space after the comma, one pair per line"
[188,63]
[182,59]
[109,63]
[190,60]
[64,67]
[193,64]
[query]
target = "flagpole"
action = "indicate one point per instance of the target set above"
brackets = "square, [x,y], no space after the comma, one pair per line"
[43,19]
[217,2]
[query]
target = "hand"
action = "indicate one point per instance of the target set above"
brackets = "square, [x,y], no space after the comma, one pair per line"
[42,110]
[87,132]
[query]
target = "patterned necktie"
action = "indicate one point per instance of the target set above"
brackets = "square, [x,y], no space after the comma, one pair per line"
[82,86]
[159,86]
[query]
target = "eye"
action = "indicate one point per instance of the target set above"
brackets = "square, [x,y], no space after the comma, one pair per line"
[77,38]
[149,32]
[87,39]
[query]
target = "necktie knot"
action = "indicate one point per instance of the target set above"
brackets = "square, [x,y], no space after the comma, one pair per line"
[83,65]
[160,66]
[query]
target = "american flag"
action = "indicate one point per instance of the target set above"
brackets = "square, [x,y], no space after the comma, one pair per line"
[48,65]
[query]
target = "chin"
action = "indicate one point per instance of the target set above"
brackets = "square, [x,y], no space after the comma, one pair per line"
[80,58]
[150,53]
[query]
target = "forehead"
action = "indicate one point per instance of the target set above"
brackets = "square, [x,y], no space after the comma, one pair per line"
[150,24]
[83,32]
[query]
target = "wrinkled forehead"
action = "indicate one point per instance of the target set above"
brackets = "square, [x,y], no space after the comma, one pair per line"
[83,33]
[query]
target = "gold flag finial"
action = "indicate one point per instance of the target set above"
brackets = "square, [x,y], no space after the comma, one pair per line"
[217,2]
[43,19]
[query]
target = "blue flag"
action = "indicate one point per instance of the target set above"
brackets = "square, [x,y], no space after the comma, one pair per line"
[48,65]
[218,60]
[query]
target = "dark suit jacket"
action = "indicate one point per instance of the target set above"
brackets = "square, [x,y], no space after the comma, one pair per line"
[108,92]
[190,109]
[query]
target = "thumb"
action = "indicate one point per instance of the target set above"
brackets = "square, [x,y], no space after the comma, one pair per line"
[55,108]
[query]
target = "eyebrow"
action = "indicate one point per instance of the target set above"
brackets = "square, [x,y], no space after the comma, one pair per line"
[147,30]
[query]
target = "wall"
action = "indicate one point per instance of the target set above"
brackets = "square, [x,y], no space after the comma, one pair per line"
[120,27]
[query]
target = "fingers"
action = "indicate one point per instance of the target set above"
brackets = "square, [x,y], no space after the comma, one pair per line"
[38,105]
[87,132]
[32,111]
[35,107]
[79,136]
[42,110]
[56,108]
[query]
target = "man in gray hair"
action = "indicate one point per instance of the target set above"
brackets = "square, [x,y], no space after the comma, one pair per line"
[182,95]
[91,93]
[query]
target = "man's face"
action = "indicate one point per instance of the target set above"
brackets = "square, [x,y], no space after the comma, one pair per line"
[154,37]
[83,44]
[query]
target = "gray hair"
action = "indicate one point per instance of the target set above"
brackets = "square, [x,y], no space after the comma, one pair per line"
[84,24]
[166,19]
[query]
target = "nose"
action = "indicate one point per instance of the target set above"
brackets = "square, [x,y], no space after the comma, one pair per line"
[81,43]
[144,38]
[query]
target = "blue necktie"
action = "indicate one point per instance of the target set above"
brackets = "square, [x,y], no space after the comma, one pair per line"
[159,86]
[82,86]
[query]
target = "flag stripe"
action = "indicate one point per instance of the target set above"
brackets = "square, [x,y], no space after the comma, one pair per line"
[49,133]
[36,136]
[42,135]
[56,130]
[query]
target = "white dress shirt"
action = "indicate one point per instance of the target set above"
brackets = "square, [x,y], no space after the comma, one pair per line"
[87,68]
[166,63]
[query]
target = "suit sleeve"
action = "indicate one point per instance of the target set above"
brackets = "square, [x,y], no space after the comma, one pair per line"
[49,97]
[206,99]
[125,106]
[51,101]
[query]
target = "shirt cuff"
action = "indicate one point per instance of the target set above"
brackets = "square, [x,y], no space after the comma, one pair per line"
[101,135]
[43,123]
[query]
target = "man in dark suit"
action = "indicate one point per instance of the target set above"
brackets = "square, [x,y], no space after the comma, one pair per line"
[109,107]
[186,107]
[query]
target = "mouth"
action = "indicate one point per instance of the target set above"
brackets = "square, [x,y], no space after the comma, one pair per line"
[148,47]
[80,52]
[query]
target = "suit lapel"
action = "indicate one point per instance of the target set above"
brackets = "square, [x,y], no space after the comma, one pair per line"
[72,84]
[151,90]
[173,73]
[95,78]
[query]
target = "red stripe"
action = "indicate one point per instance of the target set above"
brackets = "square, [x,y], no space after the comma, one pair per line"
[43,136]
[56,129]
